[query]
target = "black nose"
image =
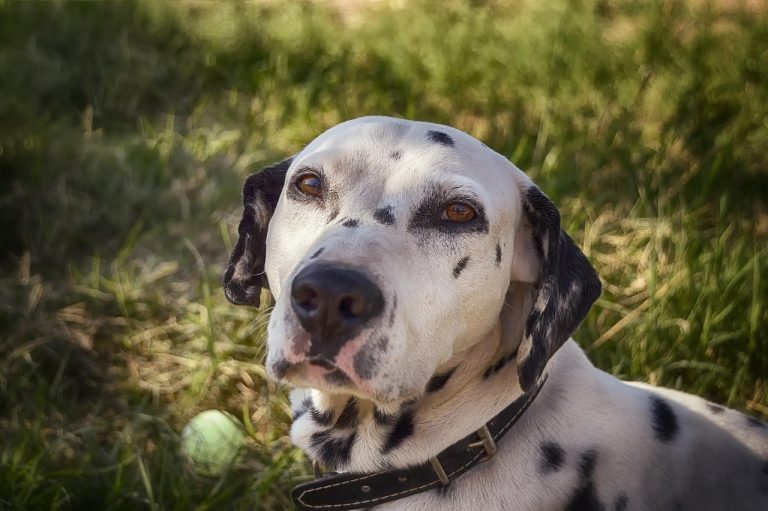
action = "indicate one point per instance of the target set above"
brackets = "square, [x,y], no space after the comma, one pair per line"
[333,303]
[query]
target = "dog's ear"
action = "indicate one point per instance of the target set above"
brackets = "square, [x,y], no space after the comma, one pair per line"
[244,276]
[566,285]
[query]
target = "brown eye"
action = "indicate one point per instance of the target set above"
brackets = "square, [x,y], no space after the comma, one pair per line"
[309,184]
[459,212]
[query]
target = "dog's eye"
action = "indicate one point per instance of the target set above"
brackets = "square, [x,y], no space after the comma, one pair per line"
[309,184]
[459,212]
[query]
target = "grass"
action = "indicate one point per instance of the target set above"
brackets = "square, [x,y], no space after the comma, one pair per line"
[126,129]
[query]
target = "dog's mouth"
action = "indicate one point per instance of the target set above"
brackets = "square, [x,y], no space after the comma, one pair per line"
[321,373]
[321,368]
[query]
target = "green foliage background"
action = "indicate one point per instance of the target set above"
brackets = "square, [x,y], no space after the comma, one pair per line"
[126,129]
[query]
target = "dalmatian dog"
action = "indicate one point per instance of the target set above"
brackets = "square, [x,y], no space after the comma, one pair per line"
[423,285]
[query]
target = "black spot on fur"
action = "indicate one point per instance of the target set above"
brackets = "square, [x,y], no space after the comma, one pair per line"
[350,222]
[498,254]
[392,312]
[445,491]
[348,416]
[438,381]
[460,267]
[440,137]
[321,418]
[663,419]
[716,409]
[585,497]
[332,452]
[621,502]
[384,216]
[755,423]
[364,363]
[500,363]
[382,418]
[303,408]
[587,464]
[317,253]
[368,357]
[396,155]
[552,457]
[402,430]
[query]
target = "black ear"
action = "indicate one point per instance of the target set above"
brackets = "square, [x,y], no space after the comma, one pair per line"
[244,276]
[566,284]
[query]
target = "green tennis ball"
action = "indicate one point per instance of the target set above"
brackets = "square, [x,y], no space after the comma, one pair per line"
[212,441]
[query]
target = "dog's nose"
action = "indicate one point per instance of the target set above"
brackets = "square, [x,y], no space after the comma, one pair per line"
[333,303]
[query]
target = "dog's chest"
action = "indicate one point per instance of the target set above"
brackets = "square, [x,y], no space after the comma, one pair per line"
[588,441]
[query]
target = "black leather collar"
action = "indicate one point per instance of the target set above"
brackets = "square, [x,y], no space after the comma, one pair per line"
[340,492]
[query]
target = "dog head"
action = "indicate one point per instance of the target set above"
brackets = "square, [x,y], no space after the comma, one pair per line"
[389,246]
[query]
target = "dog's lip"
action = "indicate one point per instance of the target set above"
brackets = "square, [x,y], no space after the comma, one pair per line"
[317,372]
[314,370]
[301,374]
[322,362]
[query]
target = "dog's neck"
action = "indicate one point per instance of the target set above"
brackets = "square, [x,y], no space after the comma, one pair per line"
[344,433]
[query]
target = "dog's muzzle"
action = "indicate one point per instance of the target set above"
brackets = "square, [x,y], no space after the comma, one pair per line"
[333,304]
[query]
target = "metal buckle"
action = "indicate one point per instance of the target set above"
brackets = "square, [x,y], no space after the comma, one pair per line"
[486,442]
[440,471]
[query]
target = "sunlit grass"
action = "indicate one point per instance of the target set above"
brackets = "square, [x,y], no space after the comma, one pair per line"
[126,129]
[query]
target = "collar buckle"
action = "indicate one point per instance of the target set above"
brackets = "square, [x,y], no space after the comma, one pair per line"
[486,442]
